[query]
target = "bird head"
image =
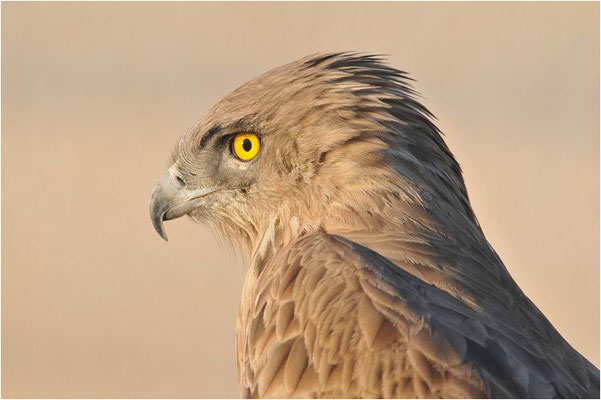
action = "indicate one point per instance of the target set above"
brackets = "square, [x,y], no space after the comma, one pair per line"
[327,141]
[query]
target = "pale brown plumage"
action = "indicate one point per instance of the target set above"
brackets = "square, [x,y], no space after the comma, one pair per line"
[369,275]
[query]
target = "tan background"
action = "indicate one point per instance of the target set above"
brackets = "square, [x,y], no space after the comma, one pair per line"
[95,304]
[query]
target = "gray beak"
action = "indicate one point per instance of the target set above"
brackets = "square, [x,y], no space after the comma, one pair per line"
[171,200]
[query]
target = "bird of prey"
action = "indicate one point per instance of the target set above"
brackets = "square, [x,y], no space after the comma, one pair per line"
[368,273]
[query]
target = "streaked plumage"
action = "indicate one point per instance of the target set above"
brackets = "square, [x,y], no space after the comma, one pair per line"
[369,275]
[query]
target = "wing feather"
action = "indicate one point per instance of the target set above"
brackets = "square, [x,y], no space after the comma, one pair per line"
[362,331]
[332,318]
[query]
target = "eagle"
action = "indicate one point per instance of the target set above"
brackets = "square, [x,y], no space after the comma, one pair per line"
[368,273]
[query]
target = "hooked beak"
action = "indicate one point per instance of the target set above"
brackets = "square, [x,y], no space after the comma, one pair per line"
[171,200]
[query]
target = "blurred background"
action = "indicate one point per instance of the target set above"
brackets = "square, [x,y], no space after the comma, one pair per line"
[95,95]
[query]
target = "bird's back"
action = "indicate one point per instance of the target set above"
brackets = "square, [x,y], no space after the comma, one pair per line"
[328,317]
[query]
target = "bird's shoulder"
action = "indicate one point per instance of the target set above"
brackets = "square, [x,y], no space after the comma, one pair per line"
[332,318]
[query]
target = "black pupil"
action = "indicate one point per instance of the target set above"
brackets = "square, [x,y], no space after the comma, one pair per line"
[247,144]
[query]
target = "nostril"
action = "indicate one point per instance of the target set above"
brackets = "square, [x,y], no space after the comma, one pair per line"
[180,181]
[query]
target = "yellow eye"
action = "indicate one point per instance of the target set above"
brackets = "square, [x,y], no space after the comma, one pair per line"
[246,146]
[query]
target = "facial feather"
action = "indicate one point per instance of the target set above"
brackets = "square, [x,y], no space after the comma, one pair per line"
[344,139]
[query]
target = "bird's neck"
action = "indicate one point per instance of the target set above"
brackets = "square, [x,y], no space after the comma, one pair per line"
[429,238]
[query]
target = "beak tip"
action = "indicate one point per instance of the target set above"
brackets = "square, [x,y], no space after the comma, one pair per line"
[157,223]
[164,236]
[158,226]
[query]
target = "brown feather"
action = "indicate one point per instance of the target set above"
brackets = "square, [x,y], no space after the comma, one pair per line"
[369,275]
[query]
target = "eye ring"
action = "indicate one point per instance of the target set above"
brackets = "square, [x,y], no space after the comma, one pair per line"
[246,146]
